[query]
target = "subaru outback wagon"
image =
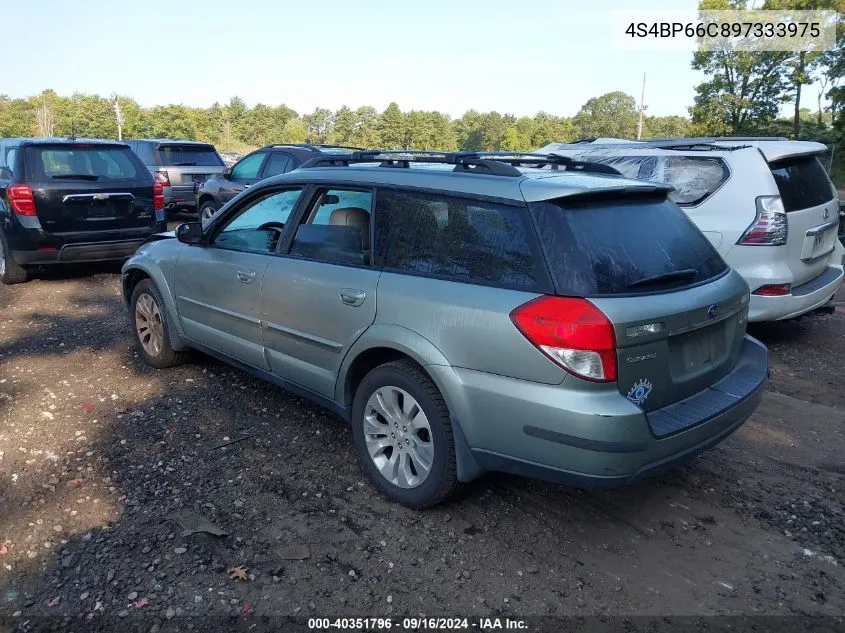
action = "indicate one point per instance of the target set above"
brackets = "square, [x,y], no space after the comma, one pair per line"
[466,313]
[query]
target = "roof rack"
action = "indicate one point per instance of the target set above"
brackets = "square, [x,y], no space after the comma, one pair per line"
[489,163]
[314,146]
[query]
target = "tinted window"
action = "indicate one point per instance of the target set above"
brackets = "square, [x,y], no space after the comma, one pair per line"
[145,152]
[248,167]
[338,228]
[802,183]
[259,227]
[11,162]
[602,247]
[455,238]
[83,162]
[276,164]
[189,156]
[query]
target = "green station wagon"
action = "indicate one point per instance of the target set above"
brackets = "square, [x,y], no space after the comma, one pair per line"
[466,313]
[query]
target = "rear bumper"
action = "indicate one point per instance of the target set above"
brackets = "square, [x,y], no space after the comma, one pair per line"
[593,436]
[804,298]
[80,252]
[181,197]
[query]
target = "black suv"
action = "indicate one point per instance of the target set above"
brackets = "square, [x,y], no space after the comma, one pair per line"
[270,160]
[72,200]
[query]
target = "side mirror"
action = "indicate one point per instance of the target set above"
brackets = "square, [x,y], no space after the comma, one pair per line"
[227,173]
[5,173]
[189,233]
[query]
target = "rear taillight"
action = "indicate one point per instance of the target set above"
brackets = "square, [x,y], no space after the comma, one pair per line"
[573,333]
[769,227]
[158,196]
[162,178]
[21,199]
[773,290]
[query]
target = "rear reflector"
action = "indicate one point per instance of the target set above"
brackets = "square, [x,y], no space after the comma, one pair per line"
[573,333]
[769,227]
[48,249]
[158,196]
[773,290]
[21,199]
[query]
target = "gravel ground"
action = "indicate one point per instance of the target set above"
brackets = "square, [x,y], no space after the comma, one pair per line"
[104,462]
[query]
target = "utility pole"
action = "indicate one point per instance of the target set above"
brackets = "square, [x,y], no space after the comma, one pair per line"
[119,117]
[642,110]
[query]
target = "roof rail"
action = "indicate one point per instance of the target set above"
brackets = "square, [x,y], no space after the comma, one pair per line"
[490,163]
[316,146]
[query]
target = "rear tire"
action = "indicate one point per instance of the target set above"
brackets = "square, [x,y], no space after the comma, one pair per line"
[10,271]
[412,463]
[152,331]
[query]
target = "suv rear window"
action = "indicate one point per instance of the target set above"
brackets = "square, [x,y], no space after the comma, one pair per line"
[189,156]
[802,183]
[456,238]
[695,178]
[83,162]
[599,247]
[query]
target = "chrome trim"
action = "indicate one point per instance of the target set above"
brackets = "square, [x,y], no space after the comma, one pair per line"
[821,228]
[208,306]
[124,195]
[705,323]
[303,336]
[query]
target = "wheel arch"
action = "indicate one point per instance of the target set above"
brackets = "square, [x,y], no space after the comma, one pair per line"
[382,344]
[131,276]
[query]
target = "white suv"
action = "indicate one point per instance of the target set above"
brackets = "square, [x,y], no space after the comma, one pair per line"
[766,204]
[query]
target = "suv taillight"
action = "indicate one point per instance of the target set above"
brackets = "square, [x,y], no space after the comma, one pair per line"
[769,227]
[573,333]
[21,199]
[158,196]
[162,178]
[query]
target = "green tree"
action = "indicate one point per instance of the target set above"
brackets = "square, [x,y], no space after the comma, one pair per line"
[344,128]
[391,128]
[172,121]
[318,125]
[17,117]
[613,114]
[294,131]
[666,127]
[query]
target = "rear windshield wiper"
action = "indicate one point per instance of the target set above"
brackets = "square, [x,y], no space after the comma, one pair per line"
[76,177]
[675,275]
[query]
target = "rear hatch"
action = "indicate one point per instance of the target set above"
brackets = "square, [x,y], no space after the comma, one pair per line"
[189,163]
[679,314]
[812,212]
[88,187]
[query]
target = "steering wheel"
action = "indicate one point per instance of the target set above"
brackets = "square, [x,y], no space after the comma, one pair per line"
[276,226]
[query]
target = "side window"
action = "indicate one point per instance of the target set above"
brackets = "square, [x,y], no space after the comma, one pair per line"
[457,238]
[694,178]
[248,167]
[277,163]
[336,229]
[258,228]
[11,161]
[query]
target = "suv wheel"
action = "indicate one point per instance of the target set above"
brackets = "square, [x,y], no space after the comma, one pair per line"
[151,328]
[10,271]
[207,210]
[403,435]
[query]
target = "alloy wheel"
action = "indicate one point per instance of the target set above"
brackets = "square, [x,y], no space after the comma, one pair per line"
[398,437]
[148,324]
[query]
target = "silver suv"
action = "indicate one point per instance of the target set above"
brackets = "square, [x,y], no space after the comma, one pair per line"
[466,313]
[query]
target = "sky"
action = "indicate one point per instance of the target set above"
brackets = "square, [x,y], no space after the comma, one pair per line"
[512,56]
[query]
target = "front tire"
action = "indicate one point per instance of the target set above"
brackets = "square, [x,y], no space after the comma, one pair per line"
[207,210]
[402,431]
[10,271]
[151,329]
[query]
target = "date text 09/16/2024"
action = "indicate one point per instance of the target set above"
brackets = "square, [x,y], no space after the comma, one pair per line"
[417,624]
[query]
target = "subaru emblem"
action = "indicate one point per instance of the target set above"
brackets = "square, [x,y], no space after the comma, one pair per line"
[712,311]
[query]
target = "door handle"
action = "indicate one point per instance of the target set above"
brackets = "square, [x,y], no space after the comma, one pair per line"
[247,186]
[352,297]
[246,276]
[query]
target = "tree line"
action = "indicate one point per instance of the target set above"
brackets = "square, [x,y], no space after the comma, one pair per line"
[235,127]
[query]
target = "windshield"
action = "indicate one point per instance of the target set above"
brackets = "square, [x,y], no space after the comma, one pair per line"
[189,156]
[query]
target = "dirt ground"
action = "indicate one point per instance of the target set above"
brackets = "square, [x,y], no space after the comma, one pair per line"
[99,454]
